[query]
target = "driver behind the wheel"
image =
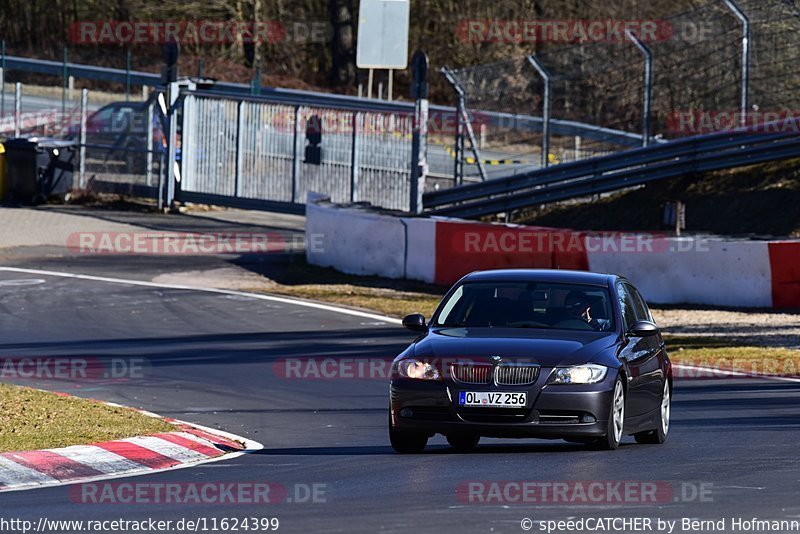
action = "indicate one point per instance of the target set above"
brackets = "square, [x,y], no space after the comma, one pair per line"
[579,306]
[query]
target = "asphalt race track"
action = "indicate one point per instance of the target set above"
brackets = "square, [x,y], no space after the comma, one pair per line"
[211,359]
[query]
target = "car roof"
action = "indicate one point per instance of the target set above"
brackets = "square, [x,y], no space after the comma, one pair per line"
[541,275]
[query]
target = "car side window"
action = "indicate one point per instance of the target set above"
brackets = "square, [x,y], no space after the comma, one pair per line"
[626,306]
[642,304]
[640,310]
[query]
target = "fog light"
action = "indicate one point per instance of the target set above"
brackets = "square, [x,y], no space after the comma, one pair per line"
[406,412]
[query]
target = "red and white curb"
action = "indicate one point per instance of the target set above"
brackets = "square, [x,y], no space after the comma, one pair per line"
[189,445]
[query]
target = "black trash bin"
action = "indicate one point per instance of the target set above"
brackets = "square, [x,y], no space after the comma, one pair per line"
[39,168]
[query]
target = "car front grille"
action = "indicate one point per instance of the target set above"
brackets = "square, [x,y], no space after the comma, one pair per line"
[504,375]
[471,373]
[516,375]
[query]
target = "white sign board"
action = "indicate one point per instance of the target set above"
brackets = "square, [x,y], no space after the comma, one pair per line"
[383,34]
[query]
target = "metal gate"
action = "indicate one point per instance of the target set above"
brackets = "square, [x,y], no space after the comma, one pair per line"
[240,151]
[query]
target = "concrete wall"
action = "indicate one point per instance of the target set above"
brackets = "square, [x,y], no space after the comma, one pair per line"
[667,270]
[363,242]
[692,271]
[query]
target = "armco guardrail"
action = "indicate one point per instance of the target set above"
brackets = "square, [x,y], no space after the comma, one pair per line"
[610,173]
[56,68]
[327,100]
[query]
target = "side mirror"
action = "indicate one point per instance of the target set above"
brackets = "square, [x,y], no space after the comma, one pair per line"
[415,322]
[643,329]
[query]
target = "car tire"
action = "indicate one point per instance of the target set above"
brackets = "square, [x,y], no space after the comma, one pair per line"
[659,434]
[616,419]
[463,442]
[406,442]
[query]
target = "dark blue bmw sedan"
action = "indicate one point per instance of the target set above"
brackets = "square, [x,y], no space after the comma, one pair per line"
[533,353]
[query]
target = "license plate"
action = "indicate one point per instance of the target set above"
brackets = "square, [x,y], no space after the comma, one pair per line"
[492,399]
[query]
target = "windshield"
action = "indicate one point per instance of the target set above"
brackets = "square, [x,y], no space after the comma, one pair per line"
[528,305]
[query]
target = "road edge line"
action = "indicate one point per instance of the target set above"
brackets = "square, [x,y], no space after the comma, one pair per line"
[271,298]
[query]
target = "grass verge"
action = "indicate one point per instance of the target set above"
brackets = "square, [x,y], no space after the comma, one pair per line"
[32,420]
[395,298]
[386,302]
[718,353]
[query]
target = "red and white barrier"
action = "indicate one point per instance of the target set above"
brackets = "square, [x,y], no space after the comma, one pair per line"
[668,270]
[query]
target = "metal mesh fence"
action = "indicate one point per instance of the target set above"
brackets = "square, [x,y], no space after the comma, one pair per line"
[597,87]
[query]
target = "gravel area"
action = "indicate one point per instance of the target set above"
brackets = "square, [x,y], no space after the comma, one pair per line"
[760,329]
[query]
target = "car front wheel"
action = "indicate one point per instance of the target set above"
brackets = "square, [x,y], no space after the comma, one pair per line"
[616,419]
[659,435]
[406,442]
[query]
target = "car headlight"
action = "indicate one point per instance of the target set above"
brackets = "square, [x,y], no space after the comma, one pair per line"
[578,374]
[417,370]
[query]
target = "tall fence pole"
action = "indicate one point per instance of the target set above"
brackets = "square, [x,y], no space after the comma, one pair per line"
[64,83]
[255,86]
[420,91]
[745,89]
[2,77]
[458,156]
[17,108]
[150,140]
[173,94]
[355,158]
[545,109]
[647,105]
[82,148]
[240,133]
[297,155]
[128,75]
[461,110]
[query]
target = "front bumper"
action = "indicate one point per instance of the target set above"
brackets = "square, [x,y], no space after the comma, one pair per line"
[552,411]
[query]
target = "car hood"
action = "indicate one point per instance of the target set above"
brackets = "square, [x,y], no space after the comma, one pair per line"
[548,348]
